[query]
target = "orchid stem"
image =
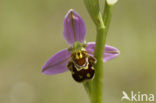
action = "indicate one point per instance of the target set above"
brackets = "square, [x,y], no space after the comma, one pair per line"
[107,15]
[99,53]
[102,22]
[99,71]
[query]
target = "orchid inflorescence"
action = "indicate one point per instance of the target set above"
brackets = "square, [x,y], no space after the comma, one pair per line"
[79,57]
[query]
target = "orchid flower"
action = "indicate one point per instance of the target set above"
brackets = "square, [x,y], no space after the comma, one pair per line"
[74,31]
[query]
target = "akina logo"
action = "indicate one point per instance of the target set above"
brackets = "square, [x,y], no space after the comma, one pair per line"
[137,97]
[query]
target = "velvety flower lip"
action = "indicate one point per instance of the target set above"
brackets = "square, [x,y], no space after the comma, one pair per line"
[109,53]
[74,27]
[57,63]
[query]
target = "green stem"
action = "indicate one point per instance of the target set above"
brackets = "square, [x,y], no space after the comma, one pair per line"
[107,15]
[99,53]
[102,21]
[99,71]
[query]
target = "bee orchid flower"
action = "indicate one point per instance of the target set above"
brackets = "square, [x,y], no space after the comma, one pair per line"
[79,58]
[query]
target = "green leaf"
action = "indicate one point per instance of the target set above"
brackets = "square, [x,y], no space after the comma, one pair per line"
[93,9]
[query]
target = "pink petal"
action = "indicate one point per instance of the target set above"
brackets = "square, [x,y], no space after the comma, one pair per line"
[110,52]
[57,63]
[74,27]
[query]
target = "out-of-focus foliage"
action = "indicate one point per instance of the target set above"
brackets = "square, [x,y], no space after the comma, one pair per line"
[31,31]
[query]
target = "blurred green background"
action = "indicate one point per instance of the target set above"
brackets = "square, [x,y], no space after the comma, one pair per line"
[31,31]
